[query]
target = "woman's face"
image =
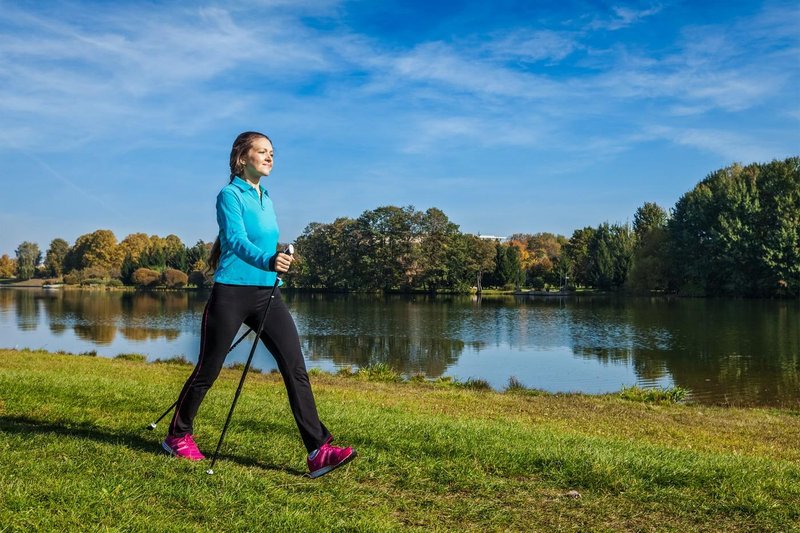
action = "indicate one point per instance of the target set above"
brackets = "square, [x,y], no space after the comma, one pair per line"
[258,160]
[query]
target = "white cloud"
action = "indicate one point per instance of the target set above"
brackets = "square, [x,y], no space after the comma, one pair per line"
[713,67]
[623,17]
[179,70]
[533,46]
[440,63]
[731,145]
[173,70]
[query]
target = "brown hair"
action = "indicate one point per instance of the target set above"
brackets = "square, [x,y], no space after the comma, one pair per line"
[240,147]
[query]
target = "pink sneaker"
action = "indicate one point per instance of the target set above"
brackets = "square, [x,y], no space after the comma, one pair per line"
[182,447]
[328,458]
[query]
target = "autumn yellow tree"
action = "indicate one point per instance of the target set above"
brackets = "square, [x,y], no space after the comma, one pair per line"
[8,266]
[539,254]
[134,246]
[98,249]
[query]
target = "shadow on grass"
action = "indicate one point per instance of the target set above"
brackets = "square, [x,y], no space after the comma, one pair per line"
[23,425]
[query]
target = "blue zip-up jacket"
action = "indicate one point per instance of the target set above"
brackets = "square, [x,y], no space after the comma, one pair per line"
[248,235]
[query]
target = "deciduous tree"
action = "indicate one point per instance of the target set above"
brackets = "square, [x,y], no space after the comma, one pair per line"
[577,250]
[480,258]
[8,266]
[438,236]
[97,249]
[28,258]
[736,232]
[648,270]
[135,246]
[54,259]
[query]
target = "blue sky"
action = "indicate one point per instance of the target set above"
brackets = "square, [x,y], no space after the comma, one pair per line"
[509,116]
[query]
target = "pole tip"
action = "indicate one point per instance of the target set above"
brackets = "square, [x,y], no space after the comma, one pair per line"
[152,426]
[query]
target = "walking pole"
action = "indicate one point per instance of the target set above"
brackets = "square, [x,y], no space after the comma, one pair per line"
[210,471]
[153,425]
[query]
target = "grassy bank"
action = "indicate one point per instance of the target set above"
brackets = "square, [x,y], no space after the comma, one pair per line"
[75,456]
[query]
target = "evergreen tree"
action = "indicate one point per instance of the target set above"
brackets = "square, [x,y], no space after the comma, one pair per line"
[127,269]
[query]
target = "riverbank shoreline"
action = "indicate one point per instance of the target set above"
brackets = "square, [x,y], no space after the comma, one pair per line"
[430,457]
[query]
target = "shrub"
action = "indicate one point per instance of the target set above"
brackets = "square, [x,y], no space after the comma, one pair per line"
[658,395]
[197,278]
[475,384]
[379,372]
[144,277]
[174,279]
[71,279]
[445,381]
[240,367]
[537,283]
[135,357]
[175,360]
[114,283]
[94,273]
[515,385]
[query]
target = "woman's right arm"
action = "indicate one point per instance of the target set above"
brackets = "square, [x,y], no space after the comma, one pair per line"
[231,224]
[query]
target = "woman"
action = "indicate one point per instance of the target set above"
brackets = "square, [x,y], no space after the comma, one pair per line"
[246,266]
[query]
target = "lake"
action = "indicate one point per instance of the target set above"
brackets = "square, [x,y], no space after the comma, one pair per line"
[738,352]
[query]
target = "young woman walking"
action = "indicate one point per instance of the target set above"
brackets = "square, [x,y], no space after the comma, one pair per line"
[246,266]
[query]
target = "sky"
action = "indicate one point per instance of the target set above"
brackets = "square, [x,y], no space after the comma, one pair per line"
[510,116]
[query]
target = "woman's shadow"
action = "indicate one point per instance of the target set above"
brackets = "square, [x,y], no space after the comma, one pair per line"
[24,425]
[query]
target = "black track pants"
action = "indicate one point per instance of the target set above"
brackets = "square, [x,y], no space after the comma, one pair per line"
[228,307]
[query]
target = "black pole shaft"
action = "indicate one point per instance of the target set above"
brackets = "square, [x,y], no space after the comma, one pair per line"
[153,425]
[244,375]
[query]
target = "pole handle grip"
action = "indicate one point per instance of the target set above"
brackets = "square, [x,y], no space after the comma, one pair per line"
[288,251]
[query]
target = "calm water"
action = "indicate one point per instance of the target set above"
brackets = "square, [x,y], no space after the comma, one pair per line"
[725,351]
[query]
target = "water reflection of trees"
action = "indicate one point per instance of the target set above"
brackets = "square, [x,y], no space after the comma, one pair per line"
[27,309]
[410,333]
[149,334]
[743,352]
[8,300]
[97,316]
[724,350]
[748,350]
[429,356]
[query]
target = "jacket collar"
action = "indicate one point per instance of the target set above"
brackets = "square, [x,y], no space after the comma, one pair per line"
[245,186]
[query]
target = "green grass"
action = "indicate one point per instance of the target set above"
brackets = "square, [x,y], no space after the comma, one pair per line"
[432,456]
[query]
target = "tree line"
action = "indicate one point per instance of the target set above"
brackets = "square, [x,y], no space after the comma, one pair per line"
[737,232]
[97,258]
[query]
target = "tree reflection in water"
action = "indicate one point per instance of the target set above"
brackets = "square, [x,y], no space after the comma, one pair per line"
[736,351]
[428,355]
[743,352]
[27,309]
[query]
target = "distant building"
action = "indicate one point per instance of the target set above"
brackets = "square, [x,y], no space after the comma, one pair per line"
[491,237]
